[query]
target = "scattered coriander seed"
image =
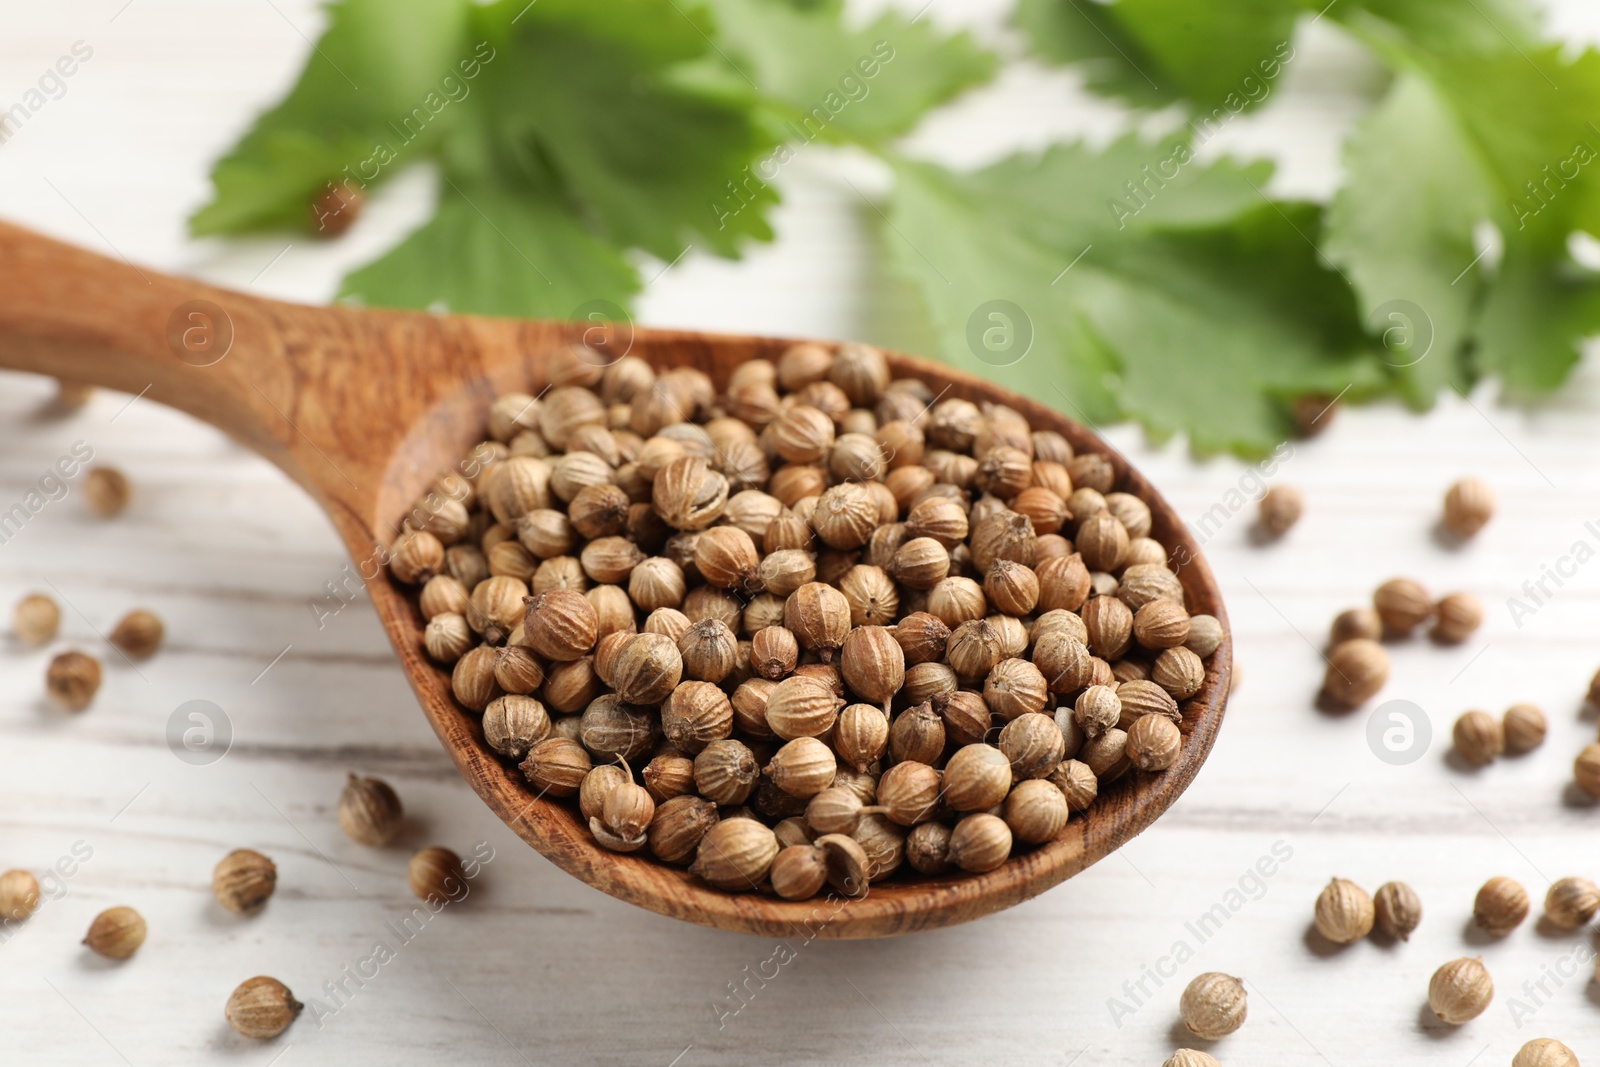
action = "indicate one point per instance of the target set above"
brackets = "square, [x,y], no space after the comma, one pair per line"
[1280,509]
[1213,1005]
[1479,737]
[19,895]
[1586,770]
[1544,1052]
[70,396]
[435,875]
[106,491]
[72,680]
[1500,907]
[1344,912]
[1188,1057]
[1356,671]
[261,1008]
[370,812]
[1403,605]
[1397,910]
[1571,903]
[35,619]
[138,634]
[1460,990]
[1468,506]
[116,933]
[1355,623]
[1456,616]
[1524,728]
[243,880]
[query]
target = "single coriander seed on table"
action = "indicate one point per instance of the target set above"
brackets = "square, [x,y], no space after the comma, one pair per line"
[1524,728]
[1479,737]
[138,634]
[35,619]
[261,1008]
[1544,1052]
[116,933]
[1344,912]
[1571,903]
[1281,507]
[1586,770]
[106,491]
[1213,1005]
[1468,506]
[1500,906]
[369,811]
[1397,910]
[72,680]
[1460,991]
[435,875]
[243,880]
[19,895]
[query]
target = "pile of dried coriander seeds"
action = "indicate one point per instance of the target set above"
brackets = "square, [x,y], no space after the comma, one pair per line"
[806,631]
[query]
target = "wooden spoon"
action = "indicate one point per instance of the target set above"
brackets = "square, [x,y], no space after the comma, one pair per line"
[365,408]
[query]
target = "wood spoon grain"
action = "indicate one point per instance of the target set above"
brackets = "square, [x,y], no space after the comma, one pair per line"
[365,408]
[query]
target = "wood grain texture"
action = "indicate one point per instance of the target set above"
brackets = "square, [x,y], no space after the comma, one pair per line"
[365,409]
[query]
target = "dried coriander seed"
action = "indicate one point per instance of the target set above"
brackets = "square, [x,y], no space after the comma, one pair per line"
[1468,506]
[370,812]
[243,880]
[979,843]
[735,854]
[1213,1005]
[1403,605]
[19,895]
[1479,737]
[1456,616]
[1357,669]
[1344,912]
[1154,743]
[106,491]
[261,1008]
[1188,1057]
[1500,907]
[1397,910]
[35,619]
[1460,991]
[1544,1052]
[1571,903]
[1281,508]
[436,876]
[1524,728]
[72,680]
[1586,770]
[1035,811]
[116,933]
[1356,623]
[138,634]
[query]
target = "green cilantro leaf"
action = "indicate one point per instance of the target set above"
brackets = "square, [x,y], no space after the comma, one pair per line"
[1199,307]
[1208,53]
[383,74]
[835,83]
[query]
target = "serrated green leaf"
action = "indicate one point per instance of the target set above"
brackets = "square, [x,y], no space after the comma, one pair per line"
[376,77]
[587,94]
[494,250]
[1207,53]
[1536,313]
[1401,226]
[835,83]
[1205,317]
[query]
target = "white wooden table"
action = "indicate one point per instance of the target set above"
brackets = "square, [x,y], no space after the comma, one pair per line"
[537,968]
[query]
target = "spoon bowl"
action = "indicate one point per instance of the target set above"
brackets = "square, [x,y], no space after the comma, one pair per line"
[365,408]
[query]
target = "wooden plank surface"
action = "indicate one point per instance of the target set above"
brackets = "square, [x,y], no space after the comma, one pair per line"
[535,967]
